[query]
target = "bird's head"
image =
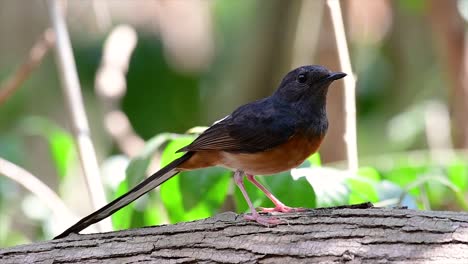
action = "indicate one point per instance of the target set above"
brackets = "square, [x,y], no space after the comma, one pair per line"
[307,84]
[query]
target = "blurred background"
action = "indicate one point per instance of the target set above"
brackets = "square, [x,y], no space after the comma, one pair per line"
[151,70]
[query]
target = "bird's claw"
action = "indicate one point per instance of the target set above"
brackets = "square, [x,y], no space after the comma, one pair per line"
[266,221]
[282,209]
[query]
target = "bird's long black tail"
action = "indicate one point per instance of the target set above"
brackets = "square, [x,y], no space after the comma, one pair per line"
[145,186]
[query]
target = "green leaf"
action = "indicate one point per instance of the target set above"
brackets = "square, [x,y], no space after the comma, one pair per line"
[362,190]
[458,194]
[256,196]
[209,186]
[136,170]
[61,144]
[195,194]
[171,198]
[63,150]
[442,181]
[191,206]
[138,166]
[406,175]
[156,142]
[369,173]
[436,188]
[363,187]
[122,218]
[458,174]
[143,211]
[315,160]
[170,193]
[328,184]
[152,215]
[294,193]
[169,153]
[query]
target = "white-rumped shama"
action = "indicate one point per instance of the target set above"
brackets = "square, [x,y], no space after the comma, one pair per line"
[264,137]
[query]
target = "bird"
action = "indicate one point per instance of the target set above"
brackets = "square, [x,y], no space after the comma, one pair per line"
[264,137]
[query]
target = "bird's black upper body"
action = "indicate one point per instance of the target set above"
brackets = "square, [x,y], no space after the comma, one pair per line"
[298,105]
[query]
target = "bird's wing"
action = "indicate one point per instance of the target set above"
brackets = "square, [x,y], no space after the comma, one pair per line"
[251,128]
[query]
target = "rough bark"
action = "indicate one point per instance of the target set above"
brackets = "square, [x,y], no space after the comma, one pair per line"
[373,235]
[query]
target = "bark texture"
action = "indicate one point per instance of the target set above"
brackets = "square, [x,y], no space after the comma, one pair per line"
[373,235]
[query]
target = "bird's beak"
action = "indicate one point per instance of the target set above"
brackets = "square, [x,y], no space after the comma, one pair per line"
[336,76]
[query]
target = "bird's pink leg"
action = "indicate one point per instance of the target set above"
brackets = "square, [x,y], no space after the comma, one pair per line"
[279,206]
[254,216]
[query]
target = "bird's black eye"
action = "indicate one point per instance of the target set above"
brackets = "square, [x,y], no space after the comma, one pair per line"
[301,78]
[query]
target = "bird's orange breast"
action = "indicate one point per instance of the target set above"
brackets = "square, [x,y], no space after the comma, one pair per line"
[281,158]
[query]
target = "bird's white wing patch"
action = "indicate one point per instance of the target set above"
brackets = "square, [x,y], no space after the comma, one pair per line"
[221,119]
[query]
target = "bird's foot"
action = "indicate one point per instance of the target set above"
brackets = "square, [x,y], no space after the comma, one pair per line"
[282,209]
[263,220]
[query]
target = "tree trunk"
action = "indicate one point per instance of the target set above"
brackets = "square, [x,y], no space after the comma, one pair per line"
[373,235]
[449,29]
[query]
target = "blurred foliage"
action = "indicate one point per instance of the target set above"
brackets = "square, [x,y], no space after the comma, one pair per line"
[192,195]
[60,142]
[155,95]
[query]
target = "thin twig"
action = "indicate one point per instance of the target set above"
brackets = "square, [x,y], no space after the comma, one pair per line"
[36,55]
[39,189]
[349,84]
[79,121]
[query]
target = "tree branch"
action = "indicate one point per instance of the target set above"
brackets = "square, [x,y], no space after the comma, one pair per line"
[374,235]
[349,85]
[78,118]
[31,183]
[36,55]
